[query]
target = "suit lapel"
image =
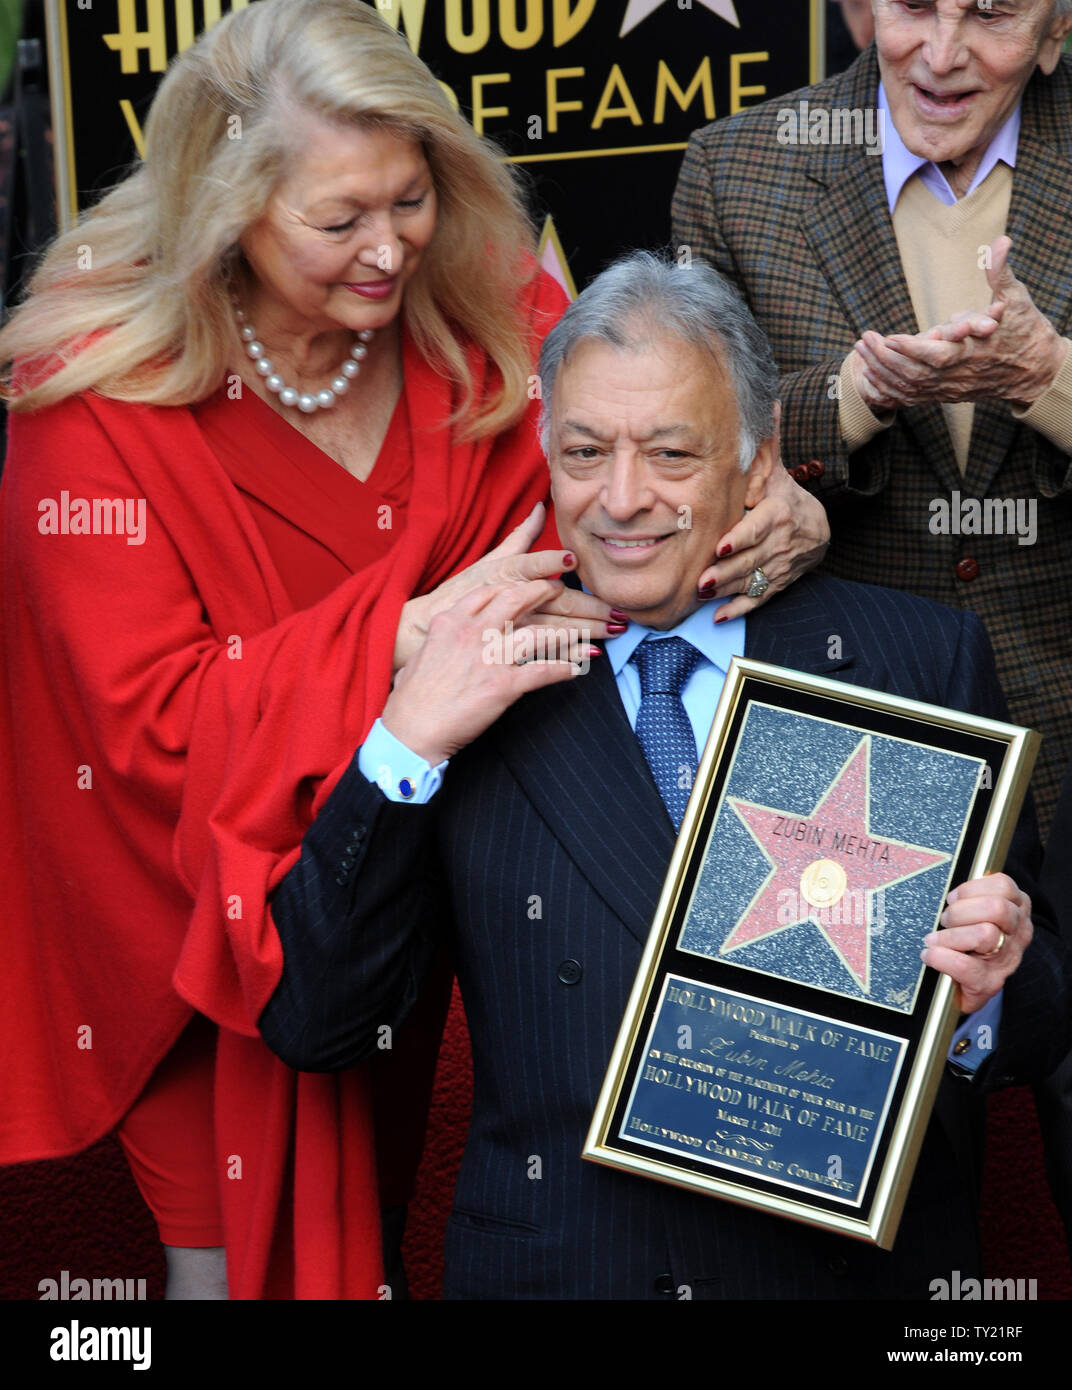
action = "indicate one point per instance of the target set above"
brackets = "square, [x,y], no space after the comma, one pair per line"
[578,761]
[852,223]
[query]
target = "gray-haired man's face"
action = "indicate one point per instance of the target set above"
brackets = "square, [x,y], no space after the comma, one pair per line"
[954,70]
[644,471]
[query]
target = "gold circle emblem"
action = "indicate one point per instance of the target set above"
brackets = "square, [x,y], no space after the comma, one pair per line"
[823,882]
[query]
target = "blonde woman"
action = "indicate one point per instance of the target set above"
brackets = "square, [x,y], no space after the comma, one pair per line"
[269,415]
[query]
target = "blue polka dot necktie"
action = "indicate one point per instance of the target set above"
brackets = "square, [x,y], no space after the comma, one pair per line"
[663,728]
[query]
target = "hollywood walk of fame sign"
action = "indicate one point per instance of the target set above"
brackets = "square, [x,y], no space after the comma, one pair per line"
[784,1042]
[593,101]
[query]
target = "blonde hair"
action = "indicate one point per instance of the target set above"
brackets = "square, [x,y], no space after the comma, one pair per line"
[151,319]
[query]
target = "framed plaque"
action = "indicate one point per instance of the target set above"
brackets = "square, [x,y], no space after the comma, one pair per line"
[783,1042]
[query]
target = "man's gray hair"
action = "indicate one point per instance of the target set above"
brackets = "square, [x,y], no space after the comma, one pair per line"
[642,295]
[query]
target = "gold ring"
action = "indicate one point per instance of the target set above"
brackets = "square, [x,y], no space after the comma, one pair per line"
[1002,938]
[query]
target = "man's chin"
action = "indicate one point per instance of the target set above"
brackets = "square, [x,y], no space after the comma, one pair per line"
[626,593]
[652,609]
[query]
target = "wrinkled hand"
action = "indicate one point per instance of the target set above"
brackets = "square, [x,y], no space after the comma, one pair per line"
[508,563]
[977,914]
[784,535]
[1008,351]
[478,658]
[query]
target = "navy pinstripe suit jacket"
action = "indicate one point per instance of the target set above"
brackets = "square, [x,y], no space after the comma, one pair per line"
[556,801]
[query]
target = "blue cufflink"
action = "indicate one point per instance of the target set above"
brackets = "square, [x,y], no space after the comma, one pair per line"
[405,787]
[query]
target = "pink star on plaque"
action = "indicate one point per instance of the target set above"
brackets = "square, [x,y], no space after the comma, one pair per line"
[825,866]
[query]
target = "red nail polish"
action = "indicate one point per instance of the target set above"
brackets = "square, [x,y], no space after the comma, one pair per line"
[595,651]
[709,590]
[619,616]
[616,629]
[727,549]
[568,560]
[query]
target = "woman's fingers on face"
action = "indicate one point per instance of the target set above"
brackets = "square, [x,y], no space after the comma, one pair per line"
[524,535]
[735,549]
[579,606]
[516,601]
[509,565]
[737,608]
[494,603]
[540,564]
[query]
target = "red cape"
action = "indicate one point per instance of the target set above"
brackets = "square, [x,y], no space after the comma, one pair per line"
[170,726]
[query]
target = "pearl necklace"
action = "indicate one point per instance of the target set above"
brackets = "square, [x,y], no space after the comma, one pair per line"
[306,401]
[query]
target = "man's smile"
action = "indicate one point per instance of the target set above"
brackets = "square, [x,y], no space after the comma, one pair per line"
[638,546]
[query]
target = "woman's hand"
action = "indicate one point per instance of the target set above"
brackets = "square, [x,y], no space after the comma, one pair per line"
[478,658]
[510,563]
[784,535]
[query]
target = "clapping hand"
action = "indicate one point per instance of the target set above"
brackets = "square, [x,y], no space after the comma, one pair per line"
[1008,351]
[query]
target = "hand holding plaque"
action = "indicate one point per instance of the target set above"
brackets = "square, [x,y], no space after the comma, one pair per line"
[785,1038]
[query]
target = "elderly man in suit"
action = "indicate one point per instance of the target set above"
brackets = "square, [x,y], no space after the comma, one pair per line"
[926,367]
[564,787]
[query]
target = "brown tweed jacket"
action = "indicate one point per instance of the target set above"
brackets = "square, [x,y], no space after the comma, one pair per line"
[805,234]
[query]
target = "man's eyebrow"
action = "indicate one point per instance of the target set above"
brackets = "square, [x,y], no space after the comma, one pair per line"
[577,428]
[664,430]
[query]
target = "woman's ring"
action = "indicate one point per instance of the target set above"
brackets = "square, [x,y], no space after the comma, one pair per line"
[759,584]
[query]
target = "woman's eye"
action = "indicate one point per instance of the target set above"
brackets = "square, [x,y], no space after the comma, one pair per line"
[413,203]
[342,227]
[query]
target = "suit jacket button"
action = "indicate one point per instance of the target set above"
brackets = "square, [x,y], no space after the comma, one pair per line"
[340,878]
[664,1284]
[346,864]
[569,972]
[816,469]
[800,473]
[967,568]
[837,1264]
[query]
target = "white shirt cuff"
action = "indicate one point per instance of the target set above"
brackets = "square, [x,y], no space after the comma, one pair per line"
[400,774]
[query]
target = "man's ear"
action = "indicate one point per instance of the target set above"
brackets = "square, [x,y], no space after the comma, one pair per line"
[768,456]
[1049,53]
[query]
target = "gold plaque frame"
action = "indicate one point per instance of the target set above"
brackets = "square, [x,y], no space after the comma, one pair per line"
[918,1033]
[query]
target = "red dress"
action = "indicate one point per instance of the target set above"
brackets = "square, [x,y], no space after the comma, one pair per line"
[176,707]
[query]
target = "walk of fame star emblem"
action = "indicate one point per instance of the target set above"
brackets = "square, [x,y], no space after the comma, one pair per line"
[638,10]
[825,867]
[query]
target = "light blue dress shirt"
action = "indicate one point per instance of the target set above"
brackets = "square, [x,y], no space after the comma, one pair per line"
[404,776]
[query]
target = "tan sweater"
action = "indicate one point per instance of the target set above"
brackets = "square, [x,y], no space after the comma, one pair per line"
[940,255]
